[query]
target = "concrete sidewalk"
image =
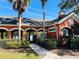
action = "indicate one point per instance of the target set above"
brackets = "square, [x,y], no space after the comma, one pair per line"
[48,54]
[43,52]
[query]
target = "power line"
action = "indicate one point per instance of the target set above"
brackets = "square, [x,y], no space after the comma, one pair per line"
[31,13]
[41,10]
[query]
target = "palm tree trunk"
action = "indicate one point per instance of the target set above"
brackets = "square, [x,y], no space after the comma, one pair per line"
[20,20]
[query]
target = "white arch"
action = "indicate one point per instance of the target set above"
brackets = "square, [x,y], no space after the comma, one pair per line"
[51,28]
[15,29]
[65,27]
[41,29]
[31,28]
[4,28]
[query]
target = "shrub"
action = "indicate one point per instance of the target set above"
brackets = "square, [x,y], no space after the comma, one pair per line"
[3,43]
[25,43]
[52,44]
[74,43]
[13,44]
[48,43]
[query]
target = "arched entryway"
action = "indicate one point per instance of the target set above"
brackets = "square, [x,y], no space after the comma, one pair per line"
[41,33]
[66,31]
[3,34]
[31,35]
[15,34]
[65,38]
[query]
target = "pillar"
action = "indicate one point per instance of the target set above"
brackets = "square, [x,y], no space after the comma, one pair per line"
[24,34]
[2,35]
[9,35]
[47,33]
[37,35]
[57,31]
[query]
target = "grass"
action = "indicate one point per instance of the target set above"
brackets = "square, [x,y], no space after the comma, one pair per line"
[4,54]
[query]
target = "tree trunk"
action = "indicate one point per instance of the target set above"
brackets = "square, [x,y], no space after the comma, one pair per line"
[20,20]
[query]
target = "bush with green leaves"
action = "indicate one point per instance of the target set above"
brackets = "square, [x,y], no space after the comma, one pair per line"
[52,44]
[13,44]
[9,44]
[25,43]
[75,43]
[48,43]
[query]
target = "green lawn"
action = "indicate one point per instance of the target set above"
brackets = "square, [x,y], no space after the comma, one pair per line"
[4,54]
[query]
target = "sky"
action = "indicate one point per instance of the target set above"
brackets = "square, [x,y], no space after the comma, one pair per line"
[34,10]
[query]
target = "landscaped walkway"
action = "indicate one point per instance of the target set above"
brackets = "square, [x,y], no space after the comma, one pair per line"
[48,54]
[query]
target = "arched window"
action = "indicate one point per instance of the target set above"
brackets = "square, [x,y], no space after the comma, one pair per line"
[52,29]
[65,32]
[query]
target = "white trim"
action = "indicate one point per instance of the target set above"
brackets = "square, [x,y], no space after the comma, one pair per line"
[51,28]
[75,18]
[7,16]
[66,18]
[31,28]
[15,29]
[4,28]
[7,25]
[65,27]
[41,29]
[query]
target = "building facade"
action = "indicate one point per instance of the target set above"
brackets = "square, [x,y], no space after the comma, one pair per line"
[65,26]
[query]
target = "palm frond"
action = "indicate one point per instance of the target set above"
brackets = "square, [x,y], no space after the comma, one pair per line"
[66,4]
[11,1]
[43,2]
[27,2]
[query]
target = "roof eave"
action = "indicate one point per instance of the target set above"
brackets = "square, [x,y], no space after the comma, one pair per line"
[64,19]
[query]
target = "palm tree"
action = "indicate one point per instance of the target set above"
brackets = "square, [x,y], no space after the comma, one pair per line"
[69,4]
[20,6]
[43,7]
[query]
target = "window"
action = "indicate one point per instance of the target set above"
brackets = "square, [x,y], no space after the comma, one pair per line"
[65,32]
[52,30]
[0,22]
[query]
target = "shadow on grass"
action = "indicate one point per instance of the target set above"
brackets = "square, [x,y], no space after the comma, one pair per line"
[28,51]
[63,52]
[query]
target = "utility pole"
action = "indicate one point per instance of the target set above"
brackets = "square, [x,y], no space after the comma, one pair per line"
[43,22]
[43,6]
